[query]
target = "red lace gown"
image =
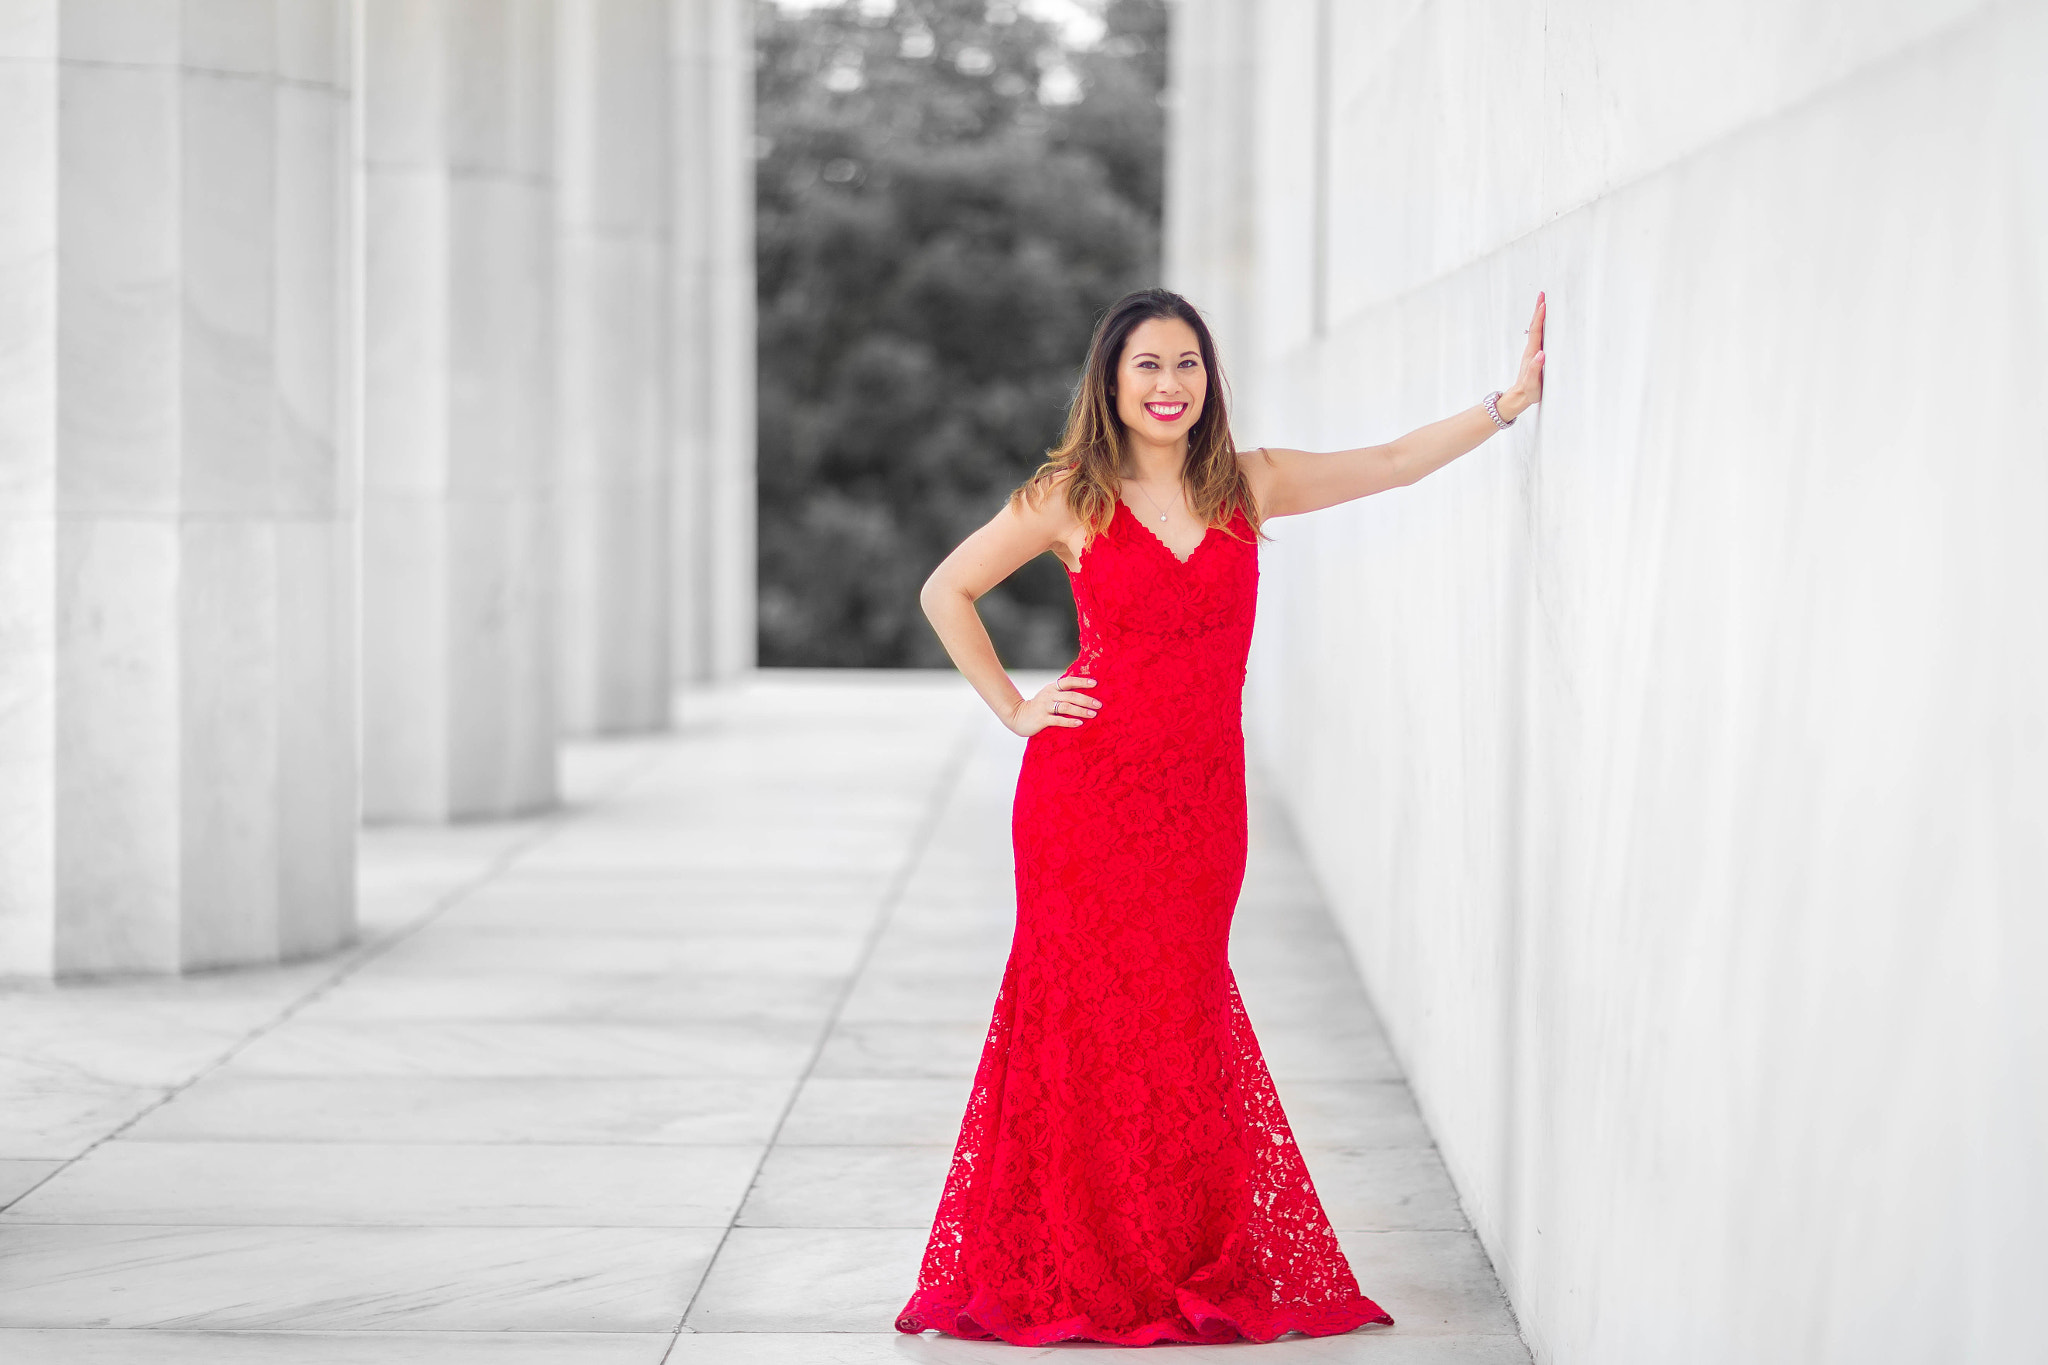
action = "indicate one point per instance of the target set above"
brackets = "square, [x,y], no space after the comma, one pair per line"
[1125,1172]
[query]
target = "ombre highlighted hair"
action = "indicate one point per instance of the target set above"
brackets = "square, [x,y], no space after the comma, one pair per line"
[1093,449]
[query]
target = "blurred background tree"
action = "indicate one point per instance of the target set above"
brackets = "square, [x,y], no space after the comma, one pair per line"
[949,193]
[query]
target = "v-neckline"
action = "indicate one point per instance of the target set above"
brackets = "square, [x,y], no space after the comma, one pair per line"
[1133,515]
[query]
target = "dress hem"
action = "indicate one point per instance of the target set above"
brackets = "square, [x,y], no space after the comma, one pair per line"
[1197,1323]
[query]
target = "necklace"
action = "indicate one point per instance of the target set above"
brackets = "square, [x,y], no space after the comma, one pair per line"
[1154,501]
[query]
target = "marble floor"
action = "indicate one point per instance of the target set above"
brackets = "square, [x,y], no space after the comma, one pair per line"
[669,1075]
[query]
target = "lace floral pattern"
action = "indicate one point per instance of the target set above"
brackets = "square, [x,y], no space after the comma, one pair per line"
[1125,1172]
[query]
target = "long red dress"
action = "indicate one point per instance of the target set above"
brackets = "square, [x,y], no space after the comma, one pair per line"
[1124,1171]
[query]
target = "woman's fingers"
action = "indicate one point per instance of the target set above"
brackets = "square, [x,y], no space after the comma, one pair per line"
[1067,707]
[1062,691]
[1530,379]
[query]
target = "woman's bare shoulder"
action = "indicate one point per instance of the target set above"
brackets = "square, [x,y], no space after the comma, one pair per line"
[1257,465]
[1045,494]
[1046,507]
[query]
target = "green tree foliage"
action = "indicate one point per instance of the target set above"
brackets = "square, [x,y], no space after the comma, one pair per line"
[947,199]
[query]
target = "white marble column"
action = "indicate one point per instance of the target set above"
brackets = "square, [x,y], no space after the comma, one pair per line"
[712,337]
[459,548]
[177,524]
[611,217]
[1209,189]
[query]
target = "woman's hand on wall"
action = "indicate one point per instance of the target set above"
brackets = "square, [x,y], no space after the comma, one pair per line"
[1289,481]
[1527,391]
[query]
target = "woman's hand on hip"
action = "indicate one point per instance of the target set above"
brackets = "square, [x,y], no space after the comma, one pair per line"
[1056,703]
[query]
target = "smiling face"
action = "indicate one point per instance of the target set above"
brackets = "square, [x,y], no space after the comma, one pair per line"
[1160,381]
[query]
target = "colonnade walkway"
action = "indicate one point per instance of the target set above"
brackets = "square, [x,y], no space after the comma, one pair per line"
[669,1075]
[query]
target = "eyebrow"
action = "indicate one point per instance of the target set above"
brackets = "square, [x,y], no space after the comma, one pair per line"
[1141,355]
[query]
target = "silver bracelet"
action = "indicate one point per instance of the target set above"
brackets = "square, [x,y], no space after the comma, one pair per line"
[1494,412]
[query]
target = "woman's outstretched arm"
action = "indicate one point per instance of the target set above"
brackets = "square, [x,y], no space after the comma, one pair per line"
[1290,481]
[1009,540]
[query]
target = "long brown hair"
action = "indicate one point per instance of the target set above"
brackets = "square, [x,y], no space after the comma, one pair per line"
[1092,450]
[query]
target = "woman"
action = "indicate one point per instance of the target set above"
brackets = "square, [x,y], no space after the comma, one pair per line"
[1124,1172]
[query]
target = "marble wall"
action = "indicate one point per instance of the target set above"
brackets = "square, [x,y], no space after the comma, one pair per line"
[375,403]
[1677,760]
[177,487]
